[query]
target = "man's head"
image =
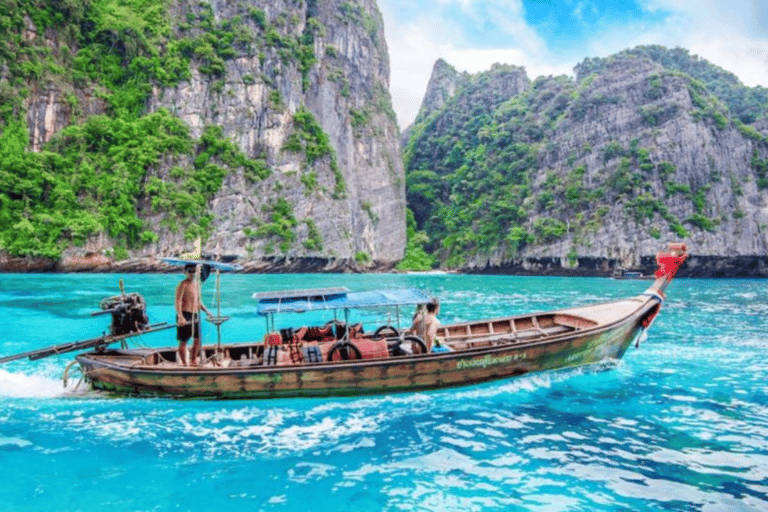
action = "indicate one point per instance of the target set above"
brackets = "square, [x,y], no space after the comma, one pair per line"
[433,306]
[189,269]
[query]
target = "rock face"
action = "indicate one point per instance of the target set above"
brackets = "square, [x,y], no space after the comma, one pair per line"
[598,173]
[443,84]
[710,160]
[351,76]
[347,203]
[48,110]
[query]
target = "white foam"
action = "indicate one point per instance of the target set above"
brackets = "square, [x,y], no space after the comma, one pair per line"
[35,385]
[14,442]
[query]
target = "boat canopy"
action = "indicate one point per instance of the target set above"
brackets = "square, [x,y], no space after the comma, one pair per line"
[299,301]
[218,265]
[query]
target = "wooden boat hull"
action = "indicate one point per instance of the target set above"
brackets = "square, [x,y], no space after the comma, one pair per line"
[494,357]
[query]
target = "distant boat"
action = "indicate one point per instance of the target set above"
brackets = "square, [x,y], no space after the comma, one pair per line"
[627,274]
[339,360]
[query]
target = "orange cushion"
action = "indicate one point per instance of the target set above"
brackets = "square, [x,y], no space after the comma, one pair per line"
[371,349]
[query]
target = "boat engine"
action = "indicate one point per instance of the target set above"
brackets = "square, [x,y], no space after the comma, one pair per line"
[129,313]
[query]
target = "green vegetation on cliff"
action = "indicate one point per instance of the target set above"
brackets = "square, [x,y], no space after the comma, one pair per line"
[107,173]
[746,103]
[469,172]
[308,138]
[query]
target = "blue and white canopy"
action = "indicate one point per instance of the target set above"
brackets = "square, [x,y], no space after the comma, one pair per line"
[224,267]
[299,301]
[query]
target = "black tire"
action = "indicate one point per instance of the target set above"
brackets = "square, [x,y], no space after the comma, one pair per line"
[377,335]
[339,328]
[344,348]
[415,340]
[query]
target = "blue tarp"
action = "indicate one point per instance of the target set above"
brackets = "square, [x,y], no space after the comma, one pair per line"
[335,298]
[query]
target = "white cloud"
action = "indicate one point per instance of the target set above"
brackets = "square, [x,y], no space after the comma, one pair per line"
[412,53]
[721,38]
[747,59]
[518,31]
[729,34]
[475,61]
[415,45]
[748,16]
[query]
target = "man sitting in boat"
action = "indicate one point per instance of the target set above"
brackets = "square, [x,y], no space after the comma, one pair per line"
[425,323]
[188,305]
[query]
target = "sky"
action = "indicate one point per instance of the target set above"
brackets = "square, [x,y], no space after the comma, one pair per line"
[549,37]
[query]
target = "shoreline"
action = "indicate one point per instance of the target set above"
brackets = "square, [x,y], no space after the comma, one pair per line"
[697,266]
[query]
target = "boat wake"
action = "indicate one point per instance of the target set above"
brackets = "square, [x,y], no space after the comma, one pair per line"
[37,385]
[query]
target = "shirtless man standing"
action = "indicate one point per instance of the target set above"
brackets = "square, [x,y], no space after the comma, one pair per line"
[425,323]
[188,305]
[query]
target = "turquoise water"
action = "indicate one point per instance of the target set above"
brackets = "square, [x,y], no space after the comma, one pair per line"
[679,424]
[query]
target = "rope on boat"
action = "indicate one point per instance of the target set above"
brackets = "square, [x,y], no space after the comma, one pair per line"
[65,377]
[138,342]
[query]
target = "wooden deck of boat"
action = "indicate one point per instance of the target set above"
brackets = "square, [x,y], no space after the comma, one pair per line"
[609,311]
[538,326]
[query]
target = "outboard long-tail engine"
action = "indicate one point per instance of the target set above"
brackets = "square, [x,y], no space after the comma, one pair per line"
[129,313]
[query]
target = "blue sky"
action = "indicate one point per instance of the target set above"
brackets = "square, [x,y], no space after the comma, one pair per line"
[552,36]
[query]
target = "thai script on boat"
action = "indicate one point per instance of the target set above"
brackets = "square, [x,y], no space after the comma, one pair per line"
[488,361]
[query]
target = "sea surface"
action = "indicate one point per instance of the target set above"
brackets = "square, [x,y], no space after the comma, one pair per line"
[680,423]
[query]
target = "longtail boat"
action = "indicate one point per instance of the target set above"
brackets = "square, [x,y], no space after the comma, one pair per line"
[338,359]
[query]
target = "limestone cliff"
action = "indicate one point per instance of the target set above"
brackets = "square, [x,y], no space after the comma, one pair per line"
[350,77]
[301,88]
[443,84]
[592,174]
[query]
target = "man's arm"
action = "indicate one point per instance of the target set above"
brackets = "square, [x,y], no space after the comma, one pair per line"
[432,330]
[200,302]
